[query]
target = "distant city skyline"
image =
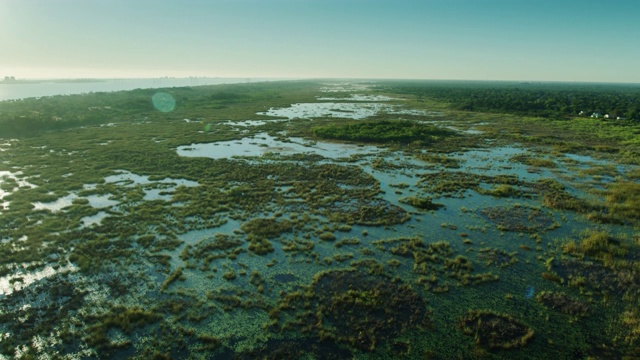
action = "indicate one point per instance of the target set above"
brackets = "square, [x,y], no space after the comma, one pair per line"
[543,40]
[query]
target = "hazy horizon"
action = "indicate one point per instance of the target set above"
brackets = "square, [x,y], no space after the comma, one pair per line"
[494,40]
[258,79]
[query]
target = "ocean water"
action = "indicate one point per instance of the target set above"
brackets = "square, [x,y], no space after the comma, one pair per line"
[13,91]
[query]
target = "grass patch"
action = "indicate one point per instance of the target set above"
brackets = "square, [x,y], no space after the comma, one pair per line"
[386,131]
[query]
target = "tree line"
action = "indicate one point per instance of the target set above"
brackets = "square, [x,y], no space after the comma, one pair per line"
[563,100]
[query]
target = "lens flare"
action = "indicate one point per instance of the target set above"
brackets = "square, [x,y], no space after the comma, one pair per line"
[163,101]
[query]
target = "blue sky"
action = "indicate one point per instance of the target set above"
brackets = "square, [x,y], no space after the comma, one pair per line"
[539,40]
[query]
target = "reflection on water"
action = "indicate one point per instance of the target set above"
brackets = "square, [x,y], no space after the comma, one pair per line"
[154,190]
[57,205]
[6,177]
[24,278]
[354,111]
[249,123]
[358,97]
[101,201]
[342,87]
[94,219]
[586,159]
[128,178]
[265,143]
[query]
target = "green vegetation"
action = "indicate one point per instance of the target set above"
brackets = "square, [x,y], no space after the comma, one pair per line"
[519,218]
[563,303]
[421,203]
[366,310]
[114,246]
[327,236]
[382,131]
[347,241]
[531,99]
[229,275]
[30,117]
[177,274]
[260,246]
[502,190]
[495,330]
[266,227]
[622,199]
[597,244]
[124,319]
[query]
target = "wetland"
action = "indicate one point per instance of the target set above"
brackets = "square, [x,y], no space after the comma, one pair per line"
[315,220]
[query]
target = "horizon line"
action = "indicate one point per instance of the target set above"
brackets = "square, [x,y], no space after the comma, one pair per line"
[6,79]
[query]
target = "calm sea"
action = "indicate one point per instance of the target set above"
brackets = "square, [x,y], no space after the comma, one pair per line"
[11,91]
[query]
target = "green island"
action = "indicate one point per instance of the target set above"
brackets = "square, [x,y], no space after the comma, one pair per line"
[322,220]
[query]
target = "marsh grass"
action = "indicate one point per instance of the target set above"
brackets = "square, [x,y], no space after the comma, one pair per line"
[383,131]
[265,216]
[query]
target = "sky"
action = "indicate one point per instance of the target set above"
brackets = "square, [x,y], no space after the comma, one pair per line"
[524,40]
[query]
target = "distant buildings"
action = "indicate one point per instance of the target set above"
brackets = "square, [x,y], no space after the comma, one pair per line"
[597,115]
[9,78]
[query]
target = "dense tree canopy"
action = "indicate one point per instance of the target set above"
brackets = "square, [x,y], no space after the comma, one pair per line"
[534,99]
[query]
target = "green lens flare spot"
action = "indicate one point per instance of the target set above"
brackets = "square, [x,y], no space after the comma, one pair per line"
[163,101]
